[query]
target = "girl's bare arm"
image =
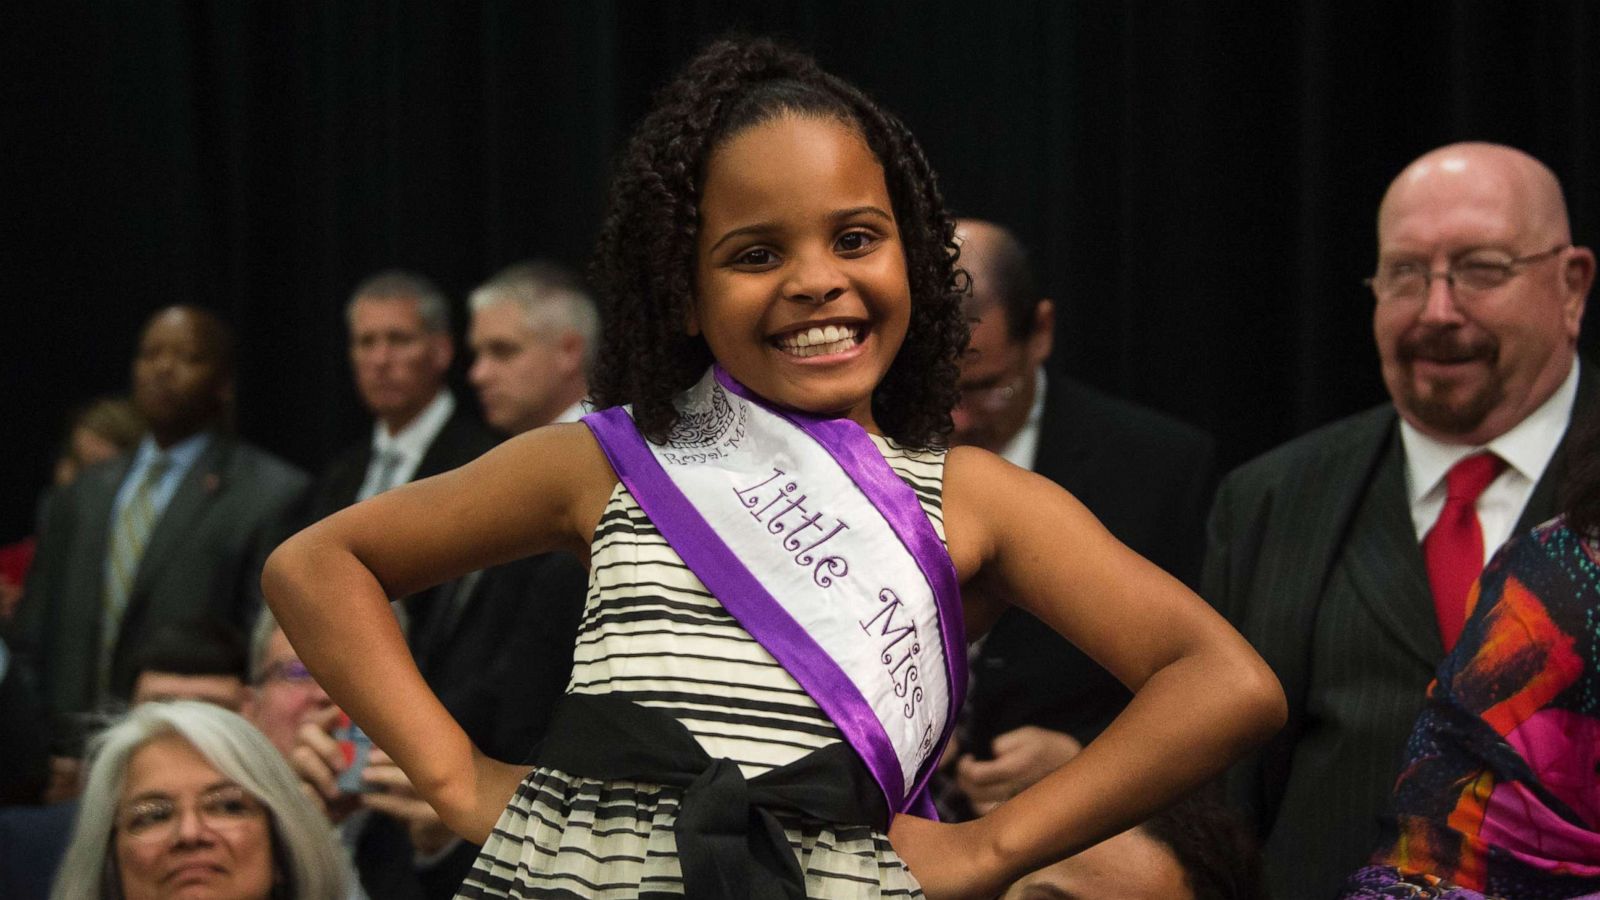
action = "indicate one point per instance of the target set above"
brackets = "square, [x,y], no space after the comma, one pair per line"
[1202,695]
[329,587]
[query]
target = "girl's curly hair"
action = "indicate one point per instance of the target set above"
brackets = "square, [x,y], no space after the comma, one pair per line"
[644,261]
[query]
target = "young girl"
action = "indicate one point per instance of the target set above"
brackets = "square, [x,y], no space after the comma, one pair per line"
[773,648]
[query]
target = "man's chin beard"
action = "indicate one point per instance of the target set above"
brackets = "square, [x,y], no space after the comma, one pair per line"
[1454,416]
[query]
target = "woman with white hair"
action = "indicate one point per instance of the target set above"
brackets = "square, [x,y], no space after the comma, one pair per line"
[188,798]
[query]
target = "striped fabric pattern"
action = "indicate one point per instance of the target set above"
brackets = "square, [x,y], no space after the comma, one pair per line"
[652,634]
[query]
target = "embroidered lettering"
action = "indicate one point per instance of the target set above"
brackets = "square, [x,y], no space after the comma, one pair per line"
[772,523]
[752,502]
[804,557]
[903,673]
[837,568]
[792,542]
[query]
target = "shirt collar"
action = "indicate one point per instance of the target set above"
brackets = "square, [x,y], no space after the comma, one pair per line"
[413,440]
[180,456]
[1526,448]
[574,412]
[1023,447]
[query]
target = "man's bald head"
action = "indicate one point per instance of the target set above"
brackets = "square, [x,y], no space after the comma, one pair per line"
[1012,328]
[1539,209]
[1002,275]
[1468,359]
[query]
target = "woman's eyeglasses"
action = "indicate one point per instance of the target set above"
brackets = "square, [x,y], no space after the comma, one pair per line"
[220,809]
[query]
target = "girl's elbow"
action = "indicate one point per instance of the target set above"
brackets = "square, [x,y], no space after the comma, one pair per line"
[279,573]
[1262,697]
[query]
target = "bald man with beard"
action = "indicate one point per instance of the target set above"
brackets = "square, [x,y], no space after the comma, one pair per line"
[1345,555]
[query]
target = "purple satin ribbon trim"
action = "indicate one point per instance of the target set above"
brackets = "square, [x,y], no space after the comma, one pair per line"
[849,445]
[746,598]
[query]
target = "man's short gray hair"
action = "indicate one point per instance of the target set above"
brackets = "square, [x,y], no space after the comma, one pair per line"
[396,284]
[552,298]
[305,851]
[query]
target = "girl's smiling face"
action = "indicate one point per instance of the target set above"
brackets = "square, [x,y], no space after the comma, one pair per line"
[800,278]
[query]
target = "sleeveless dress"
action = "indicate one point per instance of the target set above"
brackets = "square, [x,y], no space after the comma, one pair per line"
[652,634]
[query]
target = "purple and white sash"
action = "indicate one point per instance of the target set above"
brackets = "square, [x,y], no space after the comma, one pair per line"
[811,541]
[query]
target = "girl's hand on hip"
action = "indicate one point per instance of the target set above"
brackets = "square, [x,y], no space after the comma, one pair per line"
[951,862]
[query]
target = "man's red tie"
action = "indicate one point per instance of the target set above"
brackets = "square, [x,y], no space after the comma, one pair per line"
[1453,548]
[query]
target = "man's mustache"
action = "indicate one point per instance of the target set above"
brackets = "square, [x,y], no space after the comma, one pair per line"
[1448,346]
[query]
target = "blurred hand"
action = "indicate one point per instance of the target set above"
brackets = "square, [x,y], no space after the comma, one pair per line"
[1021,758]
[10,598]
[317,760]
[393,795]
[66,773]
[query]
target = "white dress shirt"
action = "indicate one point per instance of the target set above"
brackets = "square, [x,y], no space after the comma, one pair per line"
[574,412]
[1527,450]
[408,445]
[1023,448]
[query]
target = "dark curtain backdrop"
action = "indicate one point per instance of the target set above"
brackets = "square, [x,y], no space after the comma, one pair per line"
[1198,181]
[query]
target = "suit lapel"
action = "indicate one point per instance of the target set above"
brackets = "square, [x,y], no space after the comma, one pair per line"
[1386,567]
[200,485]
[449,603]
[345,484]
[455,445]
[1544,502]
[100,504]
[1315,518]
[1384,562]
[1061,443]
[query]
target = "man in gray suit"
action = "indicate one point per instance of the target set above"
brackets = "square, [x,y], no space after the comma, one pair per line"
[170,533]
[1345,555]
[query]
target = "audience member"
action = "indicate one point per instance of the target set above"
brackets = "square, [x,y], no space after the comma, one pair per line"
[169,533]
[189,799]
[202,660]
[402,852]
[1345,555]
[1500,791]
[284,696]
[101,430]
[400,351]
[533,334]
[501,655]
[1036,699]
[483,641]
[1199,849]
[95,434]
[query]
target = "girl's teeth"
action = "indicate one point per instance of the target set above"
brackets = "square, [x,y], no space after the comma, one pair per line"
[820,340]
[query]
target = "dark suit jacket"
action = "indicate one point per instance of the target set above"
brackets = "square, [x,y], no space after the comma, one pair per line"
[203,559]
[1313,556]
[500,661]
[460,441]
[1149,479]
[497,651]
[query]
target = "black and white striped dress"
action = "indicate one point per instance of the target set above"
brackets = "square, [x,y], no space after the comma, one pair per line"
[653,635]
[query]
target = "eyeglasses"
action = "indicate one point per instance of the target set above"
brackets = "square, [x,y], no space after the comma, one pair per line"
[1473,274]
[222,808]
[290,671]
